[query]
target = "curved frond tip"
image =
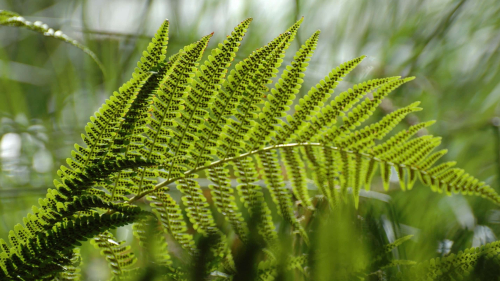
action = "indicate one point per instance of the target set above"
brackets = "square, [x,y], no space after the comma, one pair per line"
[9,18]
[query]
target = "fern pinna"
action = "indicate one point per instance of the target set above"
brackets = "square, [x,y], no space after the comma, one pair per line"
[177,120]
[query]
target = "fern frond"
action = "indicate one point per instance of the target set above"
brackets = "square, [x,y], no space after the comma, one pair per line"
[129,141]
[201,217]
[197,206]
[360,169]
[170,215]
[362,111]
[174,121]
[120,258]
[73,270]
[327,177]
[345,167]
[470,263]
[167,105]
[253,199]
[234,131]
[400,137]
[152,239]
[156,51]
[219,104]
[222,252]
[281,196]
[160,249]
[110,132]
[73,183]
[297,262]
[177,274]
[225,201]
[407,153]
[383,259]
[341,104]
[311,103]
[105,124]
[282,96]
[181,139]
[268,270]
[295,171]
[46,254]
[125,143]
[57,213]
[389,247]
[50,214]
[9,18]
[364,137]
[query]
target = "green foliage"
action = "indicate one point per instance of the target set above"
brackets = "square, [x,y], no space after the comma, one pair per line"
[177,118]
[473,264]
[72,271]
[119,256]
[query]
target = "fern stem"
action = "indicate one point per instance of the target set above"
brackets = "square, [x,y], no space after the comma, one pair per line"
[278,146]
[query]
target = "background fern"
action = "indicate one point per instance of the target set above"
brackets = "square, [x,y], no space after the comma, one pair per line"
[352,160]
[9,18]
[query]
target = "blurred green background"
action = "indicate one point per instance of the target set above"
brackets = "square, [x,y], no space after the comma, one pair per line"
[48,90]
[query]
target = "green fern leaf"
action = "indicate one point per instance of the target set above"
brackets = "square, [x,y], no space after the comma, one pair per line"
[265,63]
[364,138]
[342,103]
[74,183]
[295,170]
[153,241]
[174,121]
[360,168]
[400,137]
[119,256]
[73,270]
[308,106]
[197,206]
[181,138]
[280,194]
[155,52]
[328,173]
[167,104]
[116,120]
[465,264]
[225,201]
[362,111]
[269,270]
[219,104]
[102,127]
[170,215]
[166,107]
[282,96]
[253,199]
[45,255]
